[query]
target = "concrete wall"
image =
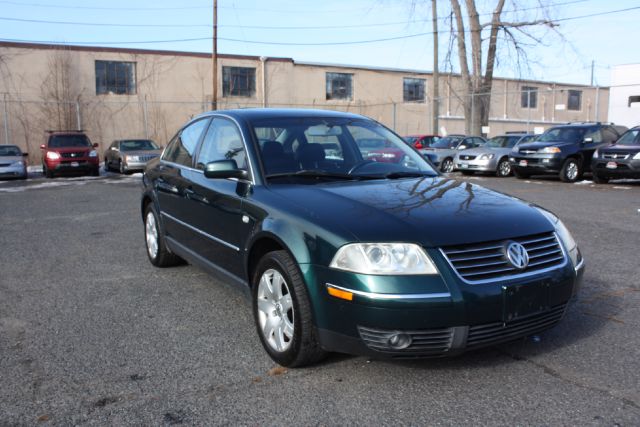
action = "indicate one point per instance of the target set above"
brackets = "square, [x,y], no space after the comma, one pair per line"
[172,87]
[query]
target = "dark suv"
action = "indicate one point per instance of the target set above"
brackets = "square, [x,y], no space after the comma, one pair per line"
[69,152]
[619,160]
[565,150]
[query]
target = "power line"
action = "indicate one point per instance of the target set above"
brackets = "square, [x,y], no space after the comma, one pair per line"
[261,42]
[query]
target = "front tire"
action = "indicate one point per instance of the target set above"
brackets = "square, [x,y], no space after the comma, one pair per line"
[121,167]
[504,168]
[157,249]
[447,165]
[571,170]
[282,312]
[47,172]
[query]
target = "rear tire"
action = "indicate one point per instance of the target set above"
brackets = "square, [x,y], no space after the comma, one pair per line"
[157,249]
[282,312]
[504,168]
[521,175]
[571,170]
[599,179]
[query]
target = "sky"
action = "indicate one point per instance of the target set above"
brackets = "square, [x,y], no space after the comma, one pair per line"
[397,34]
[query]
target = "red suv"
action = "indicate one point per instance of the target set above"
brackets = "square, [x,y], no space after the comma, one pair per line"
[69,152]
[421,141]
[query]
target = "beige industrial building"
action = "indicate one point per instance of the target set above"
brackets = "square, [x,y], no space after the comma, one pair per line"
[117,93]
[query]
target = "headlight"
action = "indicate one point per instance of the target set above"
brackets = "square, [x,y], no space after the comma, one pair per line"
[486,156]
[93,153]
[565,237]
[548,150]
[52,155]
[637,156]
[383,258]
[596,154]
[17,163]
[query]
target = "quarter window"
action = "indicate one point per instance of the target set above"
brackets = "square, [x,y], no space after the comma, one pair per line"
[413,90]
[113,77]
[182,148]
[222,142]
[339,86]
[238,81]
[574,101]
[529,97]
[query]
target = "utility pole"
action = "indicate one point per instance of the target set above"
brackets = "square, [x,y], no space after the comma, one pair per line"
[593,64]
[214,57]
[435,106]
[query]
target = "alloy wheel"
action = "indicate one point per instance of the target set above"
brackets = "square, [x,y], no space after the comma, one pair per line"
[151,235]
[447,166]
[505,168]
[275,310]
[572,171]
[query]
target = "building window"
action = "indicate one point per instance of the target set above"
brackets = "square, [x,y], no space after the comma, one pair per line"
[339,86]
[114,77]
[238,81]
[574,102]
[634,101]
[413,90]
[529,97]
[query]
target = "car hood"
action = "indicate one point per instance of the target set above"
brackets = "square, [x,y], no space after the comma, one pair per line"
[539,145]
[433,212]
[621,148]
[485,150]
[10,159]
[141,152]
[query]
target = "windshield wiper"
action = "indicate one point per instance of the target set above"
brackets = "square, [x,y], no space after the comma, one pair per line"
[310,173]
[406,174]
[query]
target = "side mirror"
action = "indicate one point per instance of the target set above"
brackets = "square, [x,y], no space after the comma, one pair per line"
[224,169]
[43,147]
[25,154]
[462,147]
[95,145]
[588,140]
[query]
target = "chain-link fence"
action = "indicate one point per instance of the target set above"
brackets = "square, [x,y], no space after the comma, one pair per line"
[25,121]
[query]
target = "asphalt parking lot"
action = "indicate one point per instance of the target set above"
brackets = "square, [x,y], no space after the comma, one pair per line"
[91,333]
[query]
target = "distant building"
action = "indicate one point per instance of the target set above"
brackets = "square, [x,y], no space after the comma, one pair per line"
[624,98]
[116,93]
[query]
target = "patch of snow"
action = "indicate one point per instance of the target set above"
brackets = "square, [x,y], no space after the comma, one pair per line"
[618,187]
[46,184]
[585,182]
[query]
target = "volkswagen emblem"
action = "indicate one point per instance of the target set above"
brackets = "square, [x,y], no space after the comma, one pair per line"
[517,255]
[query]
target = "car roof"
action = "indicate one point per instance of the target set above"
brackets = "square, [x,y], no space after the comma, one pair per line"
[277,113]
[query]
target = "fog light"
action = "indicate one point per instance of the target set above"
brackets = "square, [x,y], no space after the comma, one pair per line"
[399,341]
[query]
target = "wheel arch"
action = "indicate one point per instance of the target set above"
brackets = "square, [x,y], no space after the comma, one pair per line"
[265,242]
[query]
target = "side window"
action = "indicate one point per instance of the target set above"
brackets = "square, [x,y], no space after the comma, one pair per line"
[222,142]
[182,148]
[595,134]
[477,142]
[609,135]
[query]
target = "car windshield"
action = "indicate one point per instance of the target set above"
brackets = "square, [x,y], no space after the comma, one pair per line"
[10,151]
[410,139]
[502,141]
[138,144]
[630,137]
[334,148]
[62,141]
[447,142]
[565,134]
[527,138]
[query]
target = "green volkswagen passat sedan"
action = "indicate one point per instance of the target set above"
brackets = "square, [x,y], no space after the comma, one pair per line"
[342,253]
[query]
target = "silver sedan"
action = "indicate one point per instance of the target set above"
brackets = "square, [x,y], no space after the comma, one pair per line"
[493,157]
[443,152]
[128,155]
[12,162]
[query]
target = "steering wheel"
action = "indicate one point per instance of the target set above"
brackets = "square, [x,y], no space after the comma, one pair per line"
[359,165]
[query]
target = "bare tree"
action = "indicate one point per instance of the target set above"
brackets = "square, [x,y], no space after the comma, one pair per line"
[60,91]
[477,80]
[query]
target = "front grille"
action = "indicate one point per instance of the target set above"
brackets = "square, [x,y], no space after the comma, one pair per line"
[525,151]
[488,261]
[494,333]
[428,342]
[467,157]
[71,155]
[619,155]
[147,157]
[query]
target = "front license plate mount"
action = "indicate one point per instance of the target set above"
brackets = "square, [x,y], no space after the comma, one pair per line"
[524,300]
[523,163]
[612,165]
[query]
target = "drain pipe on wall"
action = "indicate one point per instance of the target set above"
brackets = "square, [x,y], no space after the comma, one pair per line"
[263,60]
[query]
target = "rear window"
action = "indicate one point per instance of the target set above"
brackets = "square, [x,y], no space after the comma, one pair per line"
[10,151]
[61,141]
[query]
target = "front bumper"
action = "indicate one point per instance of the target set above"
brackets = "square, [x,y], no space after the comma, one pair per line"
[538,163]
[442,315]
[13,172]
[489,165]
[624,168]
[135,165]
[75,166]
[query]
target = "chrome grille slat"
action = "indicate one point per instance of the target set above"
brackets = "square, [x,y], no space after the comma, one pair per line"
[477,263]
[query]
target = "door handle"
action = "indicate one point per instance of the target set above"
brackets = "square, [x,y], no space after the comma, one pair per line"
[190,194]
[162,185]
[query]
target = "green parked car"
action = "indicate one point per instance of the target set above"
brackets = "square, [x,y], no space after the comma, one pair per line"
[342,253]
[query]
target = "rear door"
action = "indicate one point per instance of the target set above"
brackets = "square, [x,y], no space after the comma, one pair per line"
[175,167]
